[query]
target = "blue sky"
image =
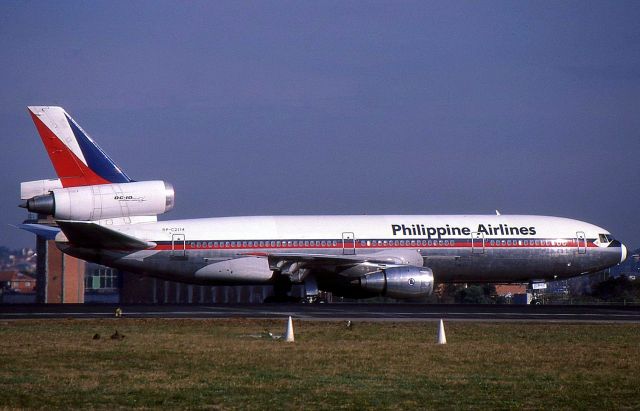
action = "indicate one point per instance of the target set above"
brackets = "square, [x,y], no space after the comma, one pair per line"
[275,107]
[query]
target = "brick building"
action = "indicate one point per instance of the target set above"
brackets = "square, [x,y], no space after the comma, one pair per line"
[15,281]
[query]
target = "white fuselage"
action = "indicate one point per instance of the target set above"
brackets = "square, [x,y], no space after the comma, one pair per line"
[458,248]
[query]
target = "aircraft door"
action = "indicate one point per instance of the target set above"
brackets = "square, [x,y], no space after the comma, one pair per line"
[348,243]
[582,242]
[477,243]
[178,250]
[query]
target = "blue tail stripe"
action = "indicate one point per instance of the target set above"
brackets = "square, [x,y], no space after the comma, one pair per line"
[97,160]
[45,231]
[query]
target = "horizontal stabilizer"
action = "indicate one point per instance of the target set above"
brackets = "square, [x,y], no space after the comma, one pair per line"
[91,235]
[42,230]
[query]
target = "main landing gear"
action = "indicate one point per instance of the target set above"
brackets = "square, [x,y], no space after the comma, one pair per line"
[281,290]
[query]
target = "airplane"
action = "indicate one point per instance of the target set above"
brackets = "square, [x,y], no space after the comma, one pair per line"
[97,213]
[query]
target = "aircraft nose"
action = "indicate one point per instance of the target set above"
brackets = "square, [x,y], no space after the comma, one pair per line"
[623,252]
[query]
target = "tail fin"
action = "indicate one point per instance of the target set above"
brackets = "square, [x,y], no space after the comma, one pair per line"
[77,159]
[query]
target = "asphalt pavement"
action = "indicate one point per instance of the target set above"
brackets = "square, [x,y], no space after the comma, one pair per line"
[339,311]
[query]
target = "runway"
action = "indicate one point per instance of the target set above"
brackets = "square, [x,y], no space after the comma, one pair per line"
[335,312]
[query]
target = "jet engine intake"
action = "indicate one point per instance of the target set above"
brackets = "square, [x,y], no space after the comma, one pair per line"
[97,202]
[400,282]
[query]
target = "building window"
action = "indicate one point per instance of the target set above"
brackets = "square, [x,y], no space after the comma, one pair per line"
[101,278]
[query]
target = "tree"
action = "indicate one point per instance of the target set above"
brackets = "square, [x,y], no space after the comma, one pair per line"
[476,294]
[617,289]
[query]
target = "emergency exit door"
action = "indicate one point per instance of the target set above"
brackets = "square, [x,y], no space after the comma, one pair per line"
[348,243]
[178,242]
[582,242]
[477,243]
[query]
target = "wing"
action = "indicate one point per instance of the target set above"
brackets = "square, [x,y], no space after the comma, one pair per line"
[281,261]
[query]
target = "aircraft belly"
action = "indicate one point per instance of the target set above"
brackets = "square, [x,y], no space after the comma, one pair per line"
[513,265]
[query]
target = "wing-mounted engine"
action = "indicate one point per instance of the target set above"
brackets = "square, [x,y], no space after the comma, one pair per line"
[399,282]
[396,275]
[103,201]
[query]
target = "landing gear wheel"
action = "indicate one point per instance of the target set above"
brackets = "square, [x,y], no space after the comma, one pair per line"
[281,290]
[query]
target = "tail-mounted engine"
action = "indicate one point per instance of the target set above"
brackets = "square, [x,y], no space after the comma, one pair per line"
[97,202]
[399,282]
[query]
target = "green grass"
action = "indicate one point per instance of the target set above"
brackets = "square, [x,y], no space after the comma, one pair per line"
[215,364]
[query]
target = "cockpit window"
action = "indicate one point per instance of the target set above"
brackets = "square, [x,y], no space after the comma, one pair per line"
[605,238]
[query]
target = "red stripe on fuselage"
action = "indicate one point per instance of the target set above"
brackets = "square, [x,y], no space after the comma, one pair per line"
[69,168]
[204,245]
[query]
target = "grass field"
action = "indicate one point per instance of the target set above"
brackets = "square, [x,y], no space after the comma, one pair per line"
[217,364]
